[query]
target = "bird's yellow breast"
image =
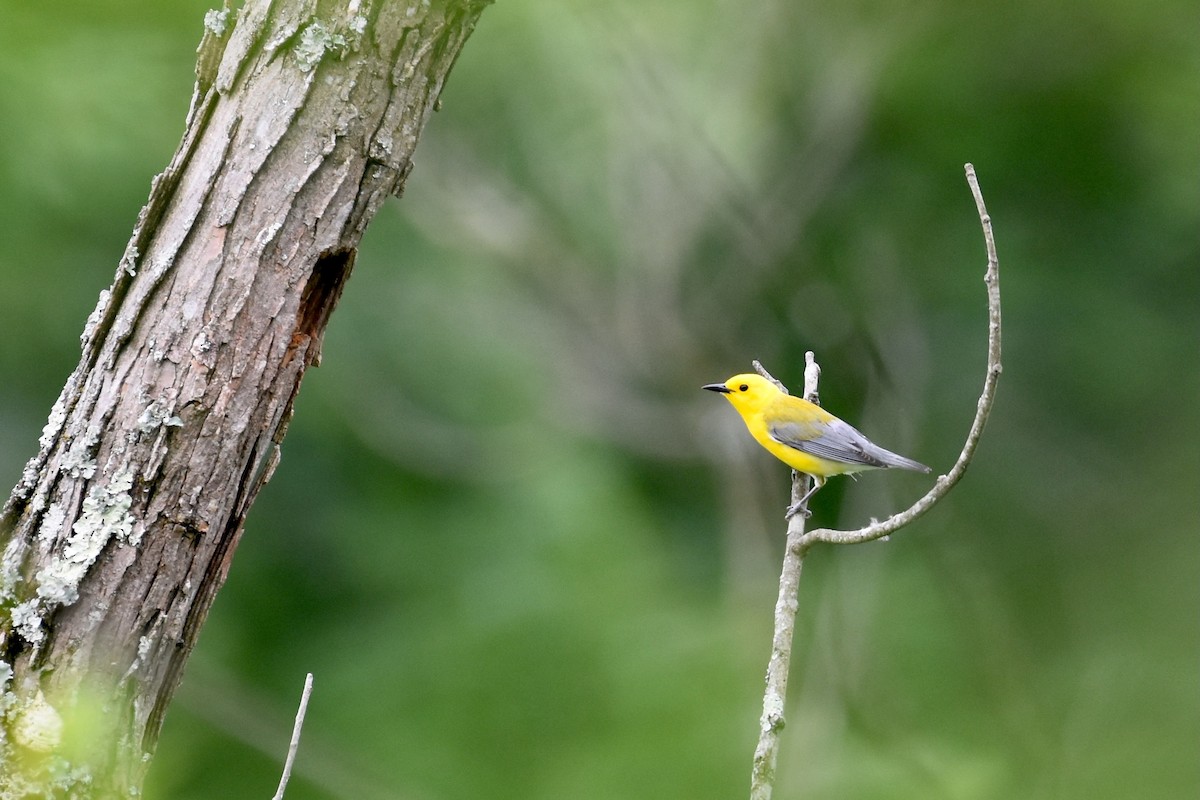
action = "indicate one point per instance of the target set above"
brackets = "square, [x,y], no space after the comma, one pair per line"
[758,424]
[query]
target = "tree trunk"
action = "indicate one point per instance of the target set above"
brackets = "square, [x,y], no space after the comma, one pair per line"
[123,526]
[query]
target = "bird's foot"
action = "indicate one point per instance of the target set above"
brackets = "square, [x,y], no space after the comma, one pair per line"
[797,508]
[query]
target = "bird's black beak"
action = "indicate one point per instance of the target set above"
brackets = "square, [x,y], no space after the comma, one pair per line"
[717,387]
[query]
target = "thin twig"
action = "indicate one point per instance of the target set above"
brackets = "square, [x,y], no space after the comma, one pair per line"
[766,753]
[877,530]
[761,370]
[762,778]
[295,745]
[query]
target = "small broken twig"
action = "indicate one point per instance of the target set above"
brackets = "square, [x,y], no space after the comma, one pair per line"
[295,744]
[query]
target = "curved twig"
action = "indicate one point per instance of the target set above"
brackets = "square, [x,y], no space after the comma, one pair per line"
[877,530]
[762,777]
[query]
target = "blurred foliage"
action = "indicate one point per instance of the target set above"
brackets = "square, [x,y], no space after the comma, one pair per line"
[527,558]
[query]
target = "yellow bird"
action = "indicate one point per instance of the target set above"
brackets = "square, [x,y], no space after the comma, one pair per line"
[805,436]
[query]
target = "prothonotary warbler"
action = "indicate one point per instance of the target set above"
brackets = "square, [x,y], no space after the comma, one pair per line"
[805,436]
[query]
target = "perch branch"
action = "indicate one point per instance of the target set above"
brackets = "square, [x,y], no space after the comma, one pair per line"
[762,779]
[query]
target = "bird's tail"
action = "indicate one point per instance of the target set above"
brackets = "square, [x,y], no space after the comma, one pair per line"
[890,459]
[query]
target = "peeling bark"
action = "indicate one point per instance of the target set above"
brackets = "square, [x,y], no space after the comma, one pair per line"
[122,528]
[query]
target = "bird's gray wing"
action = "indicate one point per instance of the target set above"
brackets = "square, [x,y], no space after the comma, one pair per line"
[833,441]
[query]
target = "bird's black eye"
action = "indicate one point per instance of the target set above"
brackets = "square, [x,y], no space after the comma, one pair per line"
[743,388]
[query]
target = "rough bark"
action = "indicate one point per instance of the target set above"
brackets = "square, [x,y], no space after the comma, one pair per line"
[123,526]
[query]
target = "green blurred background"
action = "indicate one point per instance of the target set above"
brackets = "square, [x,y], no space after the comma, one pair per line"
[526,557]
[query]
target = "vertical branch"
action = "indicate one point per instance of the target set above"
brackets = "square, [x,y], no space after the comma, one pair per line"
[762,777]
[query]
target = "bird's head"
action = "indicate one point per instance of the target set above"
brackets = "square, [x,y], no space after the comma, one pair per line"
[747,392]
